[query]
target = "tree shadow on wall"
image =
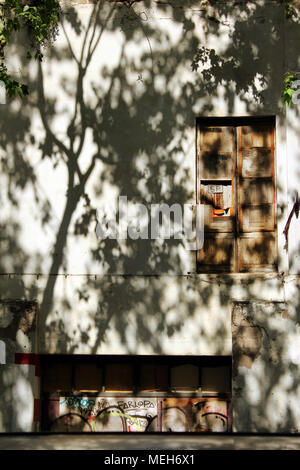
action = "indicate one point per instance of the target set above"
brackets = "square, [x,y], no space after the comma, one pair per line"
[102,122]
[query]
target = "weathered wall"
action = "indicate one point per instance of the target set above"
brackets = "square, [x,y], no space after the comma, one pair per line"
[117,117]
[292,149]
[144,315]
[266,359]
[19,374]
[114,114]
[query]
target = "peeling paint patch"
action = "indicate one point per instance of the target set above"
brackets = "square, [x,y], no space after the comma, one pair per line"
[247,338]
[247,345]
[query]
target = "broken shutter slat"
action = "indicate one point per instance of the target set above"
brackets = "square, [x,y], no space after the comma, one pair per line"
[217,196]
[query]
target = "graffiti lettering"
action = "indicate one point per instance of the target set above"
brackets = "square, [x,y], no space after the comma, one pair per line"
[130,418]
[141,415]
[136,404]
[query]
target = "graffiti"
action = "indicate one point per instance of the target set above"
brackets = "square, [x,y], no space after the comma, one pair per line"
[194,415]
[132,420]
[113,414]
[114,419]
[79,402]
[174,419]
[71,422]
[131,423]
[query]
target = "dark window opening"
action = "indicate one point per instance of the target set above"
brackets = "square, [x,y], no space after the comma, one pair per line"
[139,393]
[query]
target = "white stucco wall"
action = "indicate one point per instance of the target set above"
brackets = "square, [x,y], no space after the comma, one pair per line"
[136,116]
[145,112]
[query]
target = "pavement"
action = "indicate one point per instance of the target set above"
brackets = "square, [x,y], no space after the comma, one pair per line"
[135,441]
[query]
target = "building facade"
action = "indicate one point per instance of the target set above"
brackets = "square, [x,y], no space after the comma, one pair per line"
[145,121]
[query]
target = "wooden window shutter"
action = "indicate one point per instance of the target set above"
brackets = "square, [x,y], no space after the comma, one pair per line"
[153,377]
[216,188]
[256,197]
[235,177]
[119,377]
[57,378]
[88,377]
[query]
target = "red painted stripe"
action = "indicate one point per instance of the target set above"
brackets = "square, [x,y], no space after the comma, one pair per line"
[25,358]
[36,415]
[28,358]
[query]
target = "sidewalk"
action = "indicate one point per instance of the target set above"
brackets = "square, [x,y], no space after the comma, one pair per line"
[135,441]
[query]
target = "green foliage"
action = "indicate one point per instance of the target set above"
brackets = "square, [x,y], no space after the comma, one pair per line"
[291,77]
[288,89]
[40,19]
[13,87]
[289,9]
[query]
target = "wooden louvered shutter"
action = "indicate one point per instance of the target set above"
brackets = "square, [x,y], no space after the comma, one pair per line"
[216,186]
[256,198]
[236,184]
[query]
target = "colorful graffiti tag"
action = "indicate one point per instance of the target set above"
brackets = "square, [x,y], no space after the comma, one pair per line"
[115,414]
[109,414]
[194,415]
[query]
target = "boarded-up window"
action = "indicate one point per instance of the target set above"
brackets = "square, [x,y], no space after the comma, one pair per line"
[215,379]
[185,377]
[57,378]
[153,377]
[88,377]
[97,376]
[235,169]
[119,377]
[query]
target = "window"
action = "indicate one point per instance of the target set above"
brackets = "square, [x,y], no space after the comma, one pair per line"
[137,375]
[136,393]
[235,182]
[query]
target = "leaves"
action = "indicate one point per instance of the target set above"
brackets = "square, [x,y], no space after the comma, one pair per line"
[40,19]
[13,87]
[213,65]
[289,9]
[289,89]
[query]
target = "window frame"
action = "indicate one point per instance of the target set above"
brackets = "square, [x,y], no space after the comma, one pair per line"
[237,123]
[103,362]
